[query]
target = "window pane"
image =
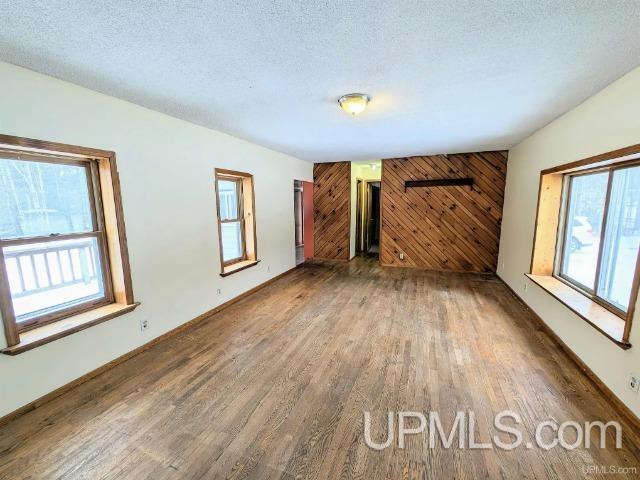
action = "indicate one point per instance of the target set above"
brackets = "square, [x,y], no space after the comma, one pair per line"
[622,238]
[48,276]
[228,199]
[231,240]
[583,225]
[39,198]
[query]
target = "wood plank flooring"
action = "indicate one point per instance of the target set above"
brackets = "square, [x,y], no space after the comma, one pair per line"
[276,386]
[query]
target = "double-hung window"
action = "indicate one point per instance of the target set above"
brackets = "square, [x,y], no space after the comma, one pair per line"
[236,220]
[232,235]
[63,257]
[52,237]
[601,234]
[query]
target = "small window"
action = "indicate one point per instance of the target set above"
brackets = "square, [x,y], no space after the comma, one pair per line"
[599,248]
[236,220]
[231,218]
[62,241]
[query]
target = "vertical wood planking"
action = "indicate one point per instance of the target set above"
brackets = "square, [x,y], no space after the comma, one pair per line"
[332,210]
[307,207]
[443,228]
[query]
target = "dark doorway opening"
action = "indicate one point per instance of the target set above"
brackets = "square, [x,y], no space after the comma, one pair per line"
[303,216]
[368,217]
[373,218]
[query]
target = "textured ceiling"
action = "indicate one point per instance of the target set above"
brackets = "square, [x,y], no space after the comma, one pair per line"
[446,76]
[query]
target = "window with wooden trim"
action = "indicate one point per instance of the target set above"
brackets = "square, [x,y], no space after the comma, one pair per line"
[236,220]
[62,241]
[586,249]
[600,238]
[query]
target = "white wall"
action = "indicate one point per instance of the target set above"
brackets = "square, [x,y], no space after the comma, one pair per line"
[606,122]
[359,171]
[166,172]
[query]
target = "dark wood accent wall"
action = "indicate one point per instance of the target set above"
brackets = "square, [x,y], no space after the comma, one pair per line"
[443,228]
[332,210]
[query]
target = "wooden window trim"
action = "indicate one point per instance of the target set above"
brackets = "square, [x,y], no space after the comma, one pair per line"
[238,267]
[246,217]
[238,219]
[97,232]
[610,325]
[54,331]
[108,222]
[549,233]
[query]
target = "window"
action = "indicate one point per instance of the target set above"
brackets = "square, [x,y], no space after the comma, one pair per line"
[585,200]
[52,238]
[602,234]
[586,245]
[236,221]
[231,231]
[621,239]
[62,243]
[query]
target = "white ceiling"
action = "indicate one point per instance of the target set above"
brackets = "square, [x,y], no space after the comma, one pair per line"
[445,76]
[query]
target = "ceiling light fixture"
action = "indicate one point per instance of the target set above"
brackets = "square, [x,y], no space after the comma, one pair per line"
[354,103]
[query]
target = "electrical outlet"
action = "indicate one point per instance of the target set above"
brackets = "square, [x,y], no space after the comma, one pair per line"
[219,291]
[634,383]
[401,256]
[268,268]
[144,324]
[526,286]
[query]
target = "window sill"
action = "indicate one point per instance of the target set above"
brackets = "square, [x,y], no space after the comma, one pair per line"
[53,331]
[237,267]
[606,322]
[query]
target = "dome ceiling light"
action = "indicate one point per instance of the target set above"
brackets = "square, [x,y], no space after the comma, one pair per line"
[354,103]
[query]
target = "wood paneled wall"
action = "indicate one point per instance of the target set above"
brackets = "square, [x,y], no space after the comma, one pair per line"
[443,228]
[332,214]
[307,218]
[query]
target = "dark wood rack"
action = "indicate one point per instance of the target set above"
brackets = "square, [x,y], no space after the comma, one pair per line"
[438,182]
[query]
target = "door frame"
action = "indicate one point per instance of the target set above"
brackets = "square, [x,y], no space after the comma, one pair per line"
[363,205]
[368,216]
[298,188]
[359,221]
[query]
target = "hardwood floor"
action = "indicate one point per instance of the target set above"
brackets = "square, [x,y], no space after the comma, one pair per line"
[276,386]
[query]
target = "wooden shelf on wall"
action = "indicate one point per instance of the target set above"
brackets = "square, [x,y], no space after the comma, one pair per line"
[438,182]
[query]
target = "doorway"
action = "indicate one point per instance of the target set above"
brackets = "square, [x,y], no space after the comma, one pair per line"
[303,220]
[368,217]
[373,218]
[299,219]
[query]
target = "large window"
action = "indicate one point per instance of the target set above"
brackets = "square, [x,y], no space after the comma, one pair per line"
[601,234]
[586,245]
[52,237]
[236,222]
[62,242]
